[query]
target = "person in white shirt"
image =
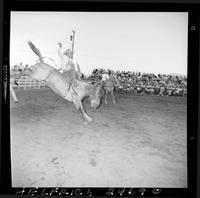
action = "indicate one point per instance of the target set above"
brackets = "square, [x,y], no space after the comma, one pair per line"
[105,76]
[67,65]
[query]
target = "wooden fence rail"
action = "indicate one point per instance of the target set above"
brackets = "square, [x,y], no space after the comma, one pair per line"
[27,83]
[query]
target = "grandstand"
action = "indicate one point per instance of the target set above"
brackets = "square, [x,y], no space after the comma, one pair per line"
[131,82]
[147,83]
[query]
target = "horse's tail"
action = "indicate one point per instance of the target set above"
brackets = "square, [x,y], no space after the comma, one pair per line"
[36,51]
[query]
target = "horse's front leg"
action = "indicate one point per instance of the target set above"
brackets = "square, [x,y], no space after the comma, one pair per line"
[83,110]
[80,112]
[112,93]
[79,106]
[106,95]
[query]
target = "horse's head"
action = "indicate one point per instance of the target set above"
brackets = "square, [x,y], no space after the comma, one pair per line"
[95,96]
[40,71]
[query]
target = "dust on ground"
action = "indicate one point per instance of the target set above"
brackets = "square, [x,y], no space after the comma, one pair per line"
[138,142]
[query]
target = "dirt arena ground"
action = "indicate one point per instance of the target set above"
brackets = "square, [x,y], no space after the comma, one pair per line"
[139,142]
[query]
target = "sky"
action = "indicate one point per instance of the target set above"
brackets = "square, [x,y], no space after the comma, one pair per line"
[154,42]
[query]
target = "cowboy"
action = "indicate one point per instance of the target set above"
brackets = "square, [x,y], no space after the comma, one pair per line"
[67,65]
[105,76]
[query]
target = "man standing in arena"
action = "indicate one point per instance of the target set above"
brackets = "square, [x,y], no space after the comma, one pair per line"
[105,76]
[67,65]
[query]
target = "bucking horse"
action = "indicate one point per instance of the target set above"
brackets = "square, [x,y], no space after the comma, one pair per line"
[60,85]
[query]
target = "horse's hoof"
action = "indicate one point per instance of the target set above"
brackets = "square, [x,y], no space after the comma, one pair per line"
[85,123]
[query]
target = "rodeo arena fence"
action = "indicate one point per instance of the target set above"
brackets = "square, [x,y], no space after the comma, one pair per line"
[131,82]
[26,82]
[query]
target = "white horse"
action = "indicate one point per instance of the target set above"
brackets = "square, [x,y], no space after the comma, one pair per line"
[59,84]
[108,86]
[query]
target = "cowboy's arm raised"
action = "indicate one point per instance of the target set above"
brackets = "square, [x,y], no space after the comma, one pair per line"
[59,50]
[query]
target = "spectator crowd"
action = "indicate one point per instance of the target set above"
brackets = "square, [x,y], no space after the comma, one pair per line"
[139,83]
[146,83]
